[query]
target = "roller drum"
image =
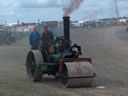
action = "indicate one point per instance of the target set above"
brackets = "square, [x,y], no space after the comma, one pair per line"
[77,74]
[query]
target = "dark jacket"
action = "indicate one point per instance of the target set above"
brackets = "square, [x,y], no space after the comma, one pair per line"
[47,37]
[34,40]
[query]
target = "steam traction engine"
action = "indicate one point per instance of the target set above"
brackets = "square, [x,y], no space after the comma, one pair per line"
[62,61]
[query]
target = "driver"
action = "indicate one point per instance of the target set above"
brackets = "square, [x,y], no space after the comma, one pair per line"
[47,40]
[47,36]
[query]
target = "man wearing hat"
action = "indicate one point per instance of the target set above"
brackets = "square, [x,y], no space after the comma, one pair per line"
[47,36]
[47,40]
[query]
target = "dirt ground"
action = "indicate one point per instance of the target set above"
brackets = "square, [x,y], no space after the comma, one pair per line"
[108,48]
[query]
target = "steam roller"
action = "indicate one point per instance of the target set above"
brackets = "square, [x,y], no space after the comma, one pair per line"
[61,59]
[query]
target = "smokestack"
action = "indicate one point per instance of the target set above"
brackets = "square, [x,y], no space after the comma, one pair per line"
[66,23]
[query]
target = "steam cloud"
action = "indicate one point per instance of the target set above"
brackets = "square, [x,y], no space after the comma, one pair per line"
[74,4]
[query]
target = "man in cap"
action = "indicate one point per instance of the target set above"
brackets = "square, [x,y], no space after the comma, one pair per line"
[34,39]
[47,40]
[47,36]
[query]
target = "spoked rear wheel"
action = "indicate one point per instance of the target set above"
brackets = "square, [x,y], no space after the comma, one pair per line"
[33,63]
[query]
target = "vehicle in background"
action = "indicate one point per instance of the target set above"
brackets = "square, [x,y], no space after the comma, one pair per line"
[6,36]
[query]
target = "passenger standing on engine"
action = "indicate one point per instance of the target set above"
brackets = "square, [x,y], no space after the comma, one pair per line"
[47,40]
[34,39]
[47,36]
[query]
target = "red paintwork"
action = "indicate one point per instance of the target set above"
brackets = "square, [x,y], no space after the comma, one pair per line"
[72,60]
[66,17]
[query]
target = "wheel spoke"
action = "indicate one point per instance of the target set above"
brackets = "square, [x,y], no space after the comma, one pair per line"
[33,66]
[33,70]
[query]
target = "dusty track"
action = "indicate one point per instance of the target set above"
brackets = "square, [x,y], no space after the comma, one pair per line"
[108,47]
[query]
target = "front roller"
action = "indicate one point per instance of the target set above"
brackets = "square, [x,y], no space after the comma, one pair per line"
[33,63]
[77,74]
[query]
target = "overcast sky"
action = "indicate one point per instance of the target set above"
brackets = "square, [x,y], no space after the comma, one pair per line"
[31,10]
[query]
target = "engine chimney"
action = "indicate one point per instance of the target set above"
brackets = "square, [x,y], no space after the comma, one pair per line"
[66,23]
